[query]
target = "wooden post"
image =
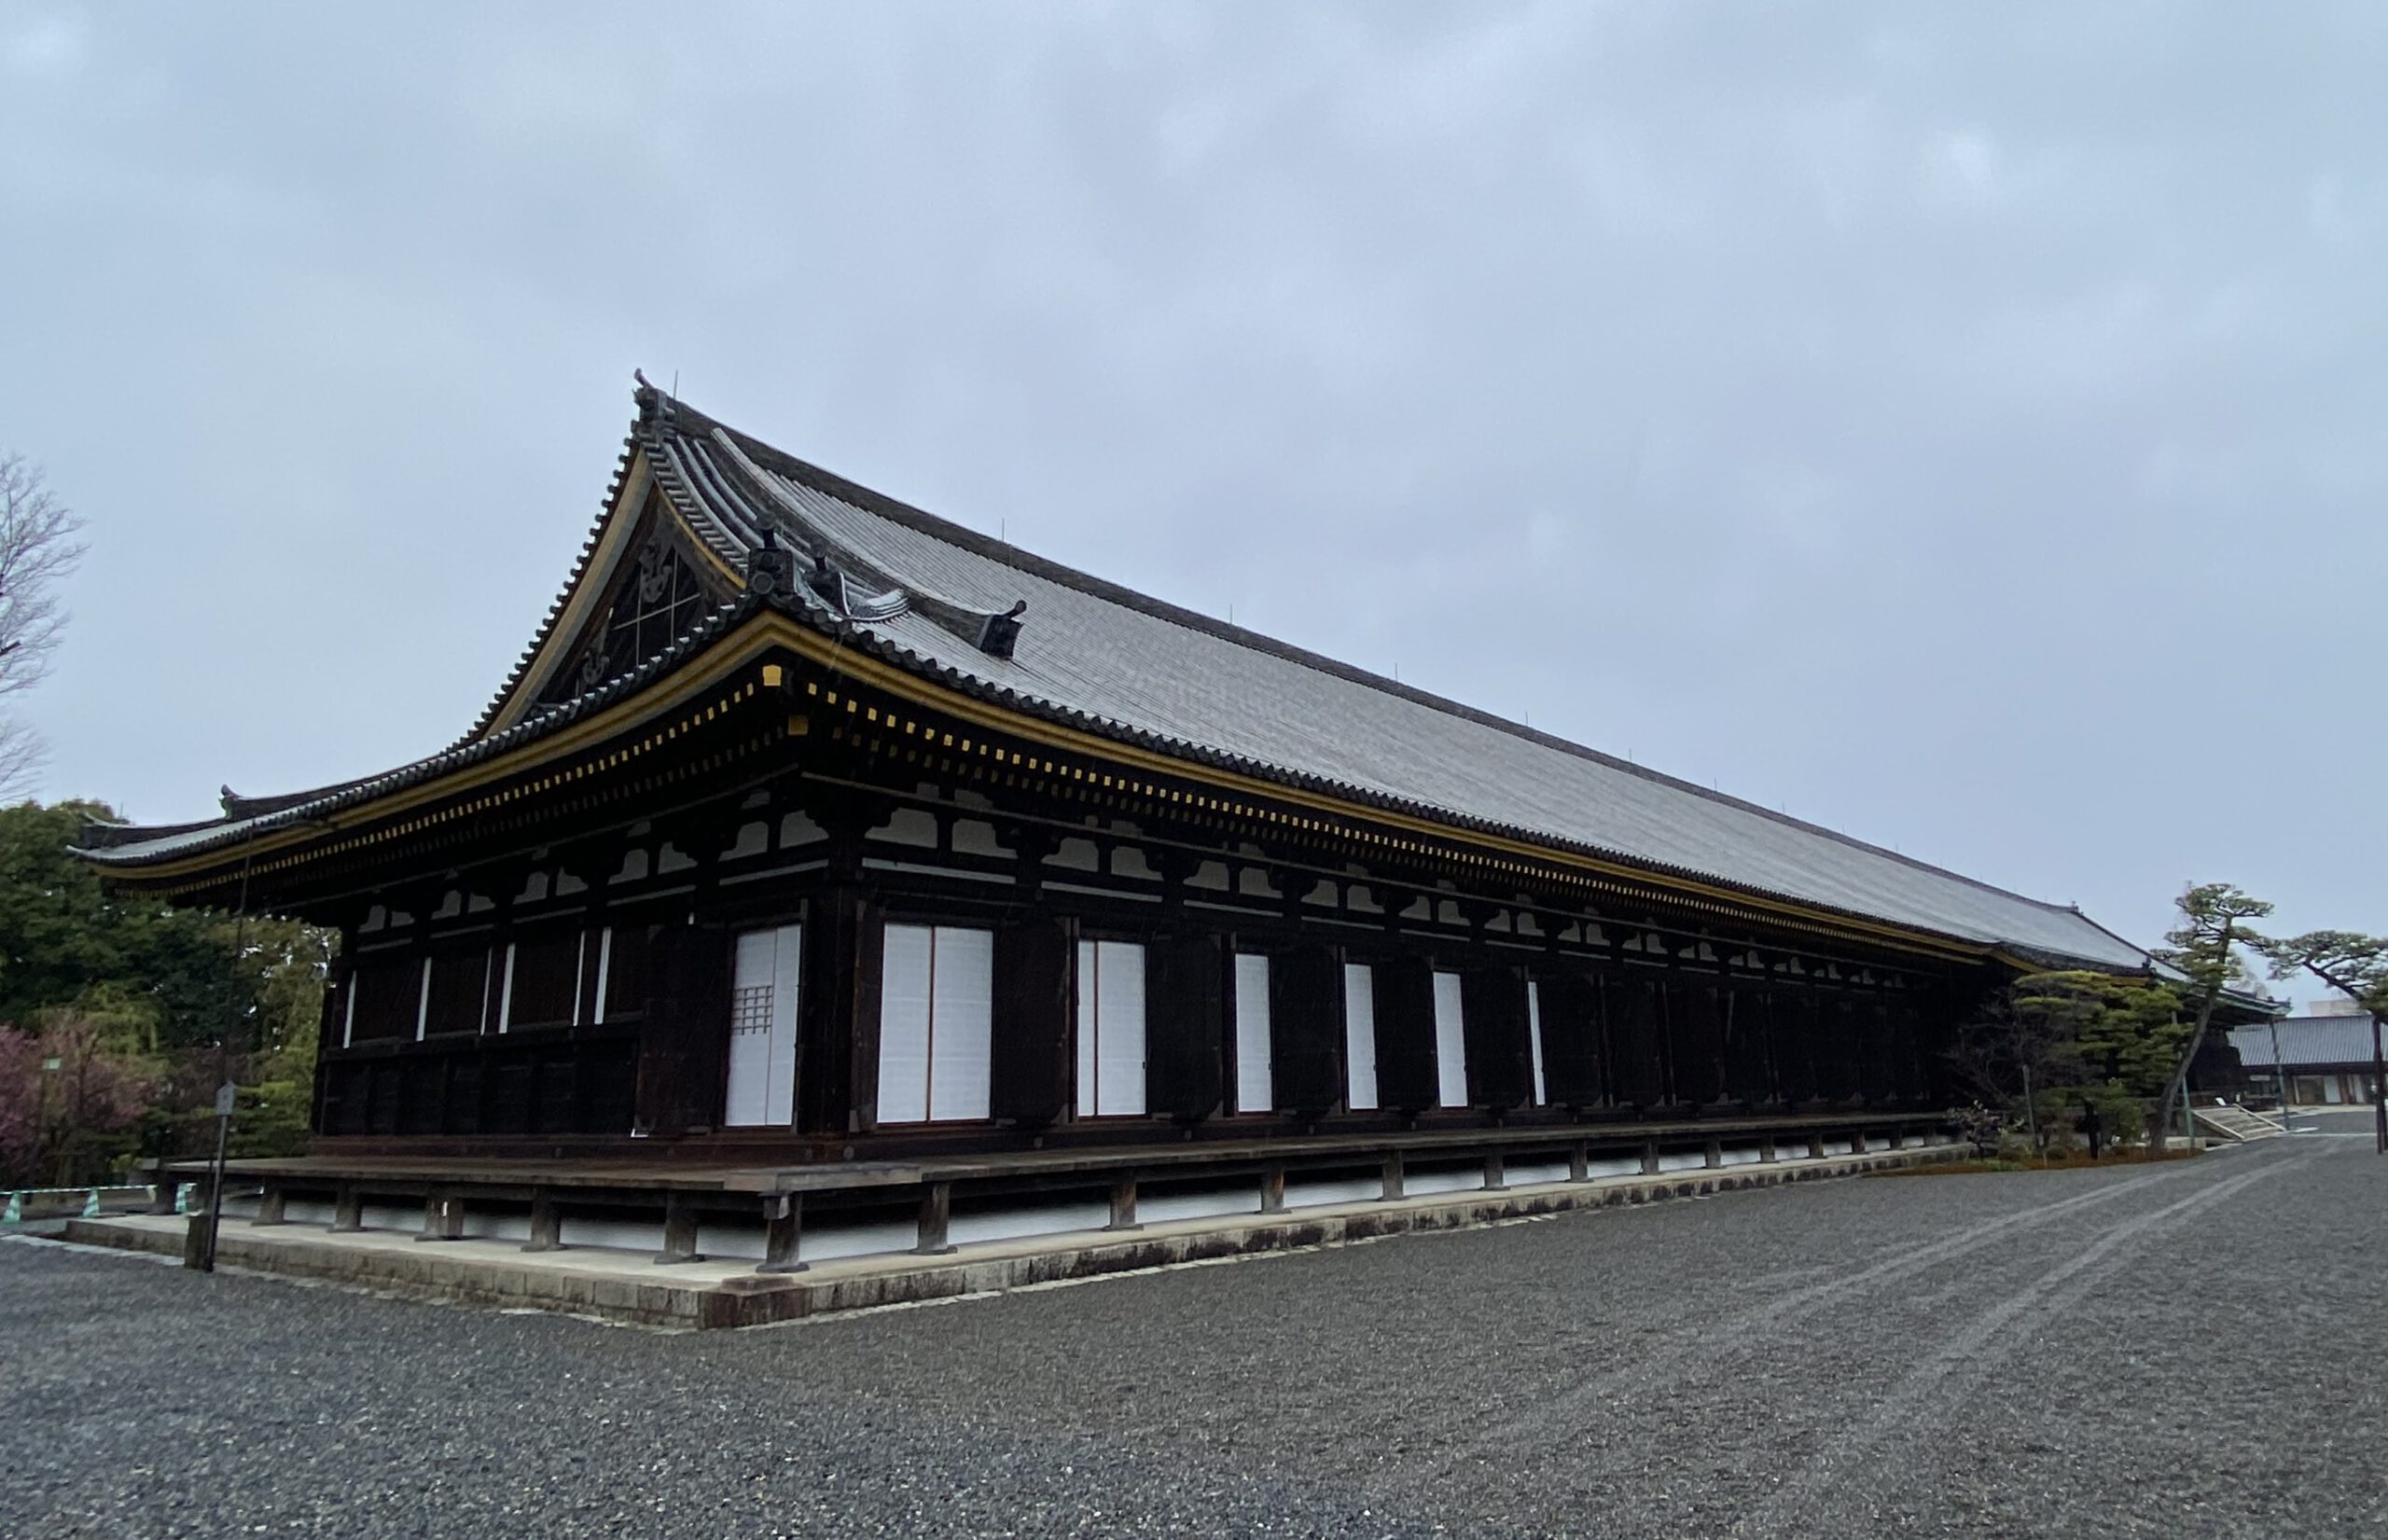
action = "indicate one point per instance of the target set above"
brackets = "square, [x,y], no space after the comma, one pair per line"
[1815,1147]
[547,1222]
[783,1227]
[162,1191]
[1767,1153]
[443,1217]
[1579,1161]
[271,1205]
[348,1209]
[1495,1172]
[1649,1157]
[1123,1203]
[936,1216]
[1713,1157]
[838,1006]
[1273,1190]
[1897,1137]
[679,1230]
[1392,1184]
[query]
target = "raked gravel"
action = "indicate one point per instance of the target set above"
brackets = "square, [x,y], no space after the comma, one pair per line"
[2181,1350]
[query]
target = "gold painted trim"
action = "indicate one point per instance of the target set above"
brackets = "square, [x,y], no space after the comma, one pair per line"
[896,681]
[770,630]
[620,717]
[596,579]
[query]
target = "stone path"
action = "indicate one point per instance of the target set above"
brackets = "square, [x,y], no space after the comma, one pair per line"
[2186,1351]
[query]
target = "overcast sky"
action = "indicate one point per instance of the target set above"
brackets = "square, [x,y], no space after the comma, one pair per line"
[1961,427]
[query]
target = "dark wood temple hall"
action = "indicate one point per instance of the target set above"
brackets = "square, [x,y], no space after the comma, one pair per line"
[823,843]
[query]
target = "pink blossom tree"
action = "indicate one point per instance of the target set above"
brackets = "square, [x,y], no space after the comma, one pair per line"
[65,1098]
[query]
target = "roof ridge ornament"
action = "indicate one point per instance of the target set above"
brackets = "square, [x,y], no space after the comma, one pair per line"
[655,407]
[839,591]
[771,569]
[1000,633]
[982,629]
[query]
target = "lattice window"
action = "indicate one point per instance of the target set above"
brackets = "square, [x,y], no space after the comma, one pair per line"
[750,1008]
[656,604]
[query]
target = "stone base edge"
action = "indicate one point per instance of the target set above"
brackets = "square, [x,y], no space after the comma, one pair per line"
[759,1299]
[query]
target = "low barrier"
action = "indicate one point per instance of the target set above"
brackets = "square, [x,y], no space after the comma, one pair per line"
[30,1203]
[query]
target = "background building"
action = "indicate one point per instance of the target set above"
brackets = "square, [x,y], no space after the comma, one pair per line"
[2327,1054]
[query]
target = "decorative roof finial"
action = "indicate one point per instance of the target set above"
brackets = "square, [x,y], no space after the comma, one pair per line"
[653,404]
[769,569]
[1000,633]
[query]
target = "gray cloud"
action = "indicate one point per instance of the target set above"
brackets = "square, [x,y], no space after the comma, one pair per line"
[1955,424]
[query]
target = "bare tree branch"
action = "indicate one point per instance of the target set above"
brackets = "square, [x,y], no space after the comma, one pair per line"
[37,549]
[22,754]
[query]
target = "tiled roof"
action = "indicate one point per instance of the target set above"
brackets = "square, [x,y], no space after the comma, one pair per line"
[1131,667]
[2307,1040]
[129,846]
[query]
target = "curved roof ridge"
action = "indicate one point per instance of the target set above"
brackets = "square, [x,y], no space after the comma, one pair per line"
[300,806]
[183,840]
[739,486]
[517,675]
[963,620]
[920,520]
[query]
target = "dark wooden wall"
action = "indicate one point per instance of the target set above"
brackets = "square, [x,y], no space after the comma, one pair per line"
[1635,1019]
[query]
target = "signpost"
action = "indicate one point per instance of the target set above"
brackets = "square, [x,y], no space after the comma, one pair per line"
[202,1255]
[226,1095]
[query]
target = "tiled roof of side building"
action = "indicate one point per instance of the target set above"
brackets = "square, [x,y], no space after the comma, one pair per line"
[1093,651]
[2307,1040]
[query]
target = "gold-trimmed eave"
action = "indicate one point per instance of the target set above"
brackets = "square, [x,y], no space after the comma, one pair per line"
[769,630]
[711,670]
[594,582]
[933,695]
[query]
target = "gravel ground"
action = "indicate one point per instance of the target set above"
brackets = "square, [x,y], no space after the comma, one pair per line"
[2175,1350]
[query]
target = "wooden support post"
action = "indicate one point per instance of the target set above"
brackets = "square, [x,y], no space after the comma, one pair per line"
[1767,1153]
[1579,1161]
[1123,1203]
[162,1191]
[1273,1190]
[783,1224]
[547,1222]
[1495,1172]
[679,1230]
[1815,1147]
[443,1217]
[272,1203]
[1713,1157]
[348,1209]
[1649,1157]
[1392,1185]
[1897,1137]
[838,1012]
[936,1216]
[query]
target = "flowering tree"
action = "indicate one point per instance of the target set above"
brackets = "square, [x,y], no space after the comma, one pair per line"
[68,1101]
[20,1105]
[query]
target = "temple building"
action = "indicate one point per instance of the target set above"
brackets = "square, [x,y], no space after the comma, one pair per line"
[812,828]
